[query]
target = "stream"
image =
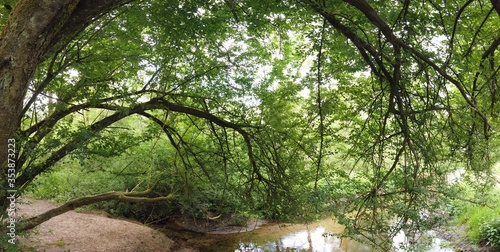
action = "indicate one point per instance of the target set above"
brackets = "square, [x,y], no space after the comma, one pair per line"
[313,237]
[273,237]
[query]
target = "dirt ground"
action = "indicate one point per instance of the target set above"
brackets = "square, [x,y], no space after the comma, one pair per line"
[87,232]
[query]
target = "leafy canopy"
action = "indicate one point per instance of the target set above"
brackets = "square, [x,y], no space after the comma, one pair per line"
[280,108]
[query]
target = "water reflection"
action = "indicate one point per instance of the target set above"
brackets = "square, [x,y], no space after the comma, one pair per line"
[273,237]
[317,239]
[313,238]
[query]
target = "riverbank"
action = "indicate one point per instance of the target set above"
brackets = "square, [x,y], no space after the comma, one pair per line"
[456,236]
[90,232]
[99,231]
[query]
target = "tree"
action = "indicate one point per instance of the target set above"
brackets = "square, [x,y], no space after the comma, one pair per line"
[432,99]
[292,103]
[32,32]
[96,53]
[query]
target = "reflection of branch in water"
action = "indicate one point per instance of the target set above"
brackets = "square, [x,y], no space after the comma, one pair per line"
[309,239]
[256,224]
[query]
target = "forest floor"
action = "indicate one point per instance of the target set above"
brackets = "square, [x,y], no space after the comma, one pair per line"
[77,231]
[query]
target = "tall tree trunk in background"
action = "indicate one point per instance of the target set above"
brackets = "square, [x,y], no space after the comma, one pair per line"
[34,31]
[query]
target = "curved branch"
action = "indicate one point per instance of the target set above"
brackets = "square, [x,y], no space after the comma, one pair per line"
[218,121]
[155,103]
[42,128]
[84,13]
[177,146]
[376,20]
[365,49]
[496,5]
[134,197]
[55,117]
[214,119]
[28,174]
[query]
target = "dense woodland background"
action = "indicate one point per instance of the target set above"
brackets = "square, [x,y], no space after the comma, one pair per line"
[383,114]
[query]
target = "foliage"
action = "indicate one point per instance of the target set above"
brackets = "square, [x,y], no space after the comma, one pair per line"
[60,243]
[475,217]
[7,246]
[284,109]
[481,221]
[490,232]
[70,181]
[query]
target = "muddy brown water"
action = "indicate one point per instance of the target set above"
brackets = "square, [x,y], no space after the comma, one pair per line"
[317,236]
[261,236]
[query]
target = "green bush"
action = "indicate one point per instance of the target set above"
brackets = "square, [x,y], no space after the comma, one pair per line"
[8,247]
[490,232]
[70,183]
[51,185]
[482,222]
[478,215]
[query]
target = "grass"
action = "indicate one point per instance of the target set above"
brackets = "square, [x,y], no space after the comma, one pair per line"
[473,216]
[60,243]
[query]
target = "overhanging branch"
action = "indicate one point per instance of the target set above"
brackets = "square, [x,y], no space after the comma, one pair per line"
[156,103]
[377,21]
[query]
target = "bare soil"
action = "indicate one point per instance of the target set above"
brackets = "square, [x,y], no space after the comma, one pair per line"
[89,232]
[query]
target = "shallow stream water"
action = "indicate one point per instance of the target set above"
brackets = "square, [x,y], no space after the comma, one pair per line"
[318,236]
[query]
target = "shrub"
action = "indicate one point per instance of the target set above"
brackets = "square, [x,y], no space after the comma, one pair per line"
[490,232]
[477,216]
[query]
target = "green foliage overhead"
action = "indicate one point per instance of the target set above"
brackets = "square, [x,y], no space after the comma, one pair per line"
[284,109]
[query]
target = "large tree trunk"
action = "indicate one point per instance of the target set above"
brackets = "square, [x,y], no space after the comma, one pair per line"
[35,30]
[23,41]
